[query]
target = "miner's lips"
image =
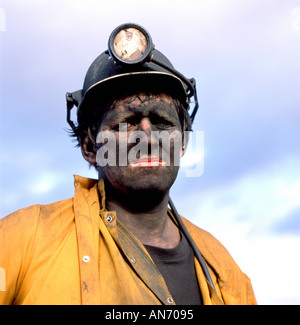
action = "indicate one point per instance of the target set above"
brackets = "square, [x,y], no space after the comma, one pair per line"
[148,162]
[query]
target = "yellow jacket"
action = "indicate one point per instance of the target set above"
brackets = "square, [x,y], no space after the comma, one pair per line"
[64,253]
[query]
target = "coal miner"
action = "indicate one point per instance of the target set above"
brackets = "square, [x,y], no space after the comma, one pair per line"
[120,240]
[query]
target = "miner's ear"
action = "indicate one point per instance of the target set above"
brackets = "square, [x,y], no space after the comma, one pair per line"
[185,141]
[88,150]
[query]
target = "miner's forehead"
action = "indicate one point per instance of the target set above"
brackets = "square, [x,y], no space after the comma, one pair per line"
[161,103]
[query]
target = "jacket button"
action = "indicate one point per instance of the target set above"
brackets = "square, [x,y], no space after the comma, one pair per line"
[109,219]
[169,300]
[86,258]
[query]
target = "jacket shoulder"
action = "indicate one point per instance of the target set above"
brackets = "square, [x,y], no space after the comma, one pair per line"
[21,219]
[27,217]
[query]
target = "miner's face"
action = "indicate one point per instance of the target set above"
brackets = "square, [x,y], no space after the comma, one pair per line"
[139,143]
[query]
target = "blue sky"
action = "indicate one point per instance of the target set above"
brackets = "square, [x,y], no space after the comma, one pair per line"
[244,55]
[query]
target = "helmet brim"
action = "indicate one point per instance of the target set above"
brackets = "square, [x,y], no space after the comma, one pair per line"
[111,88]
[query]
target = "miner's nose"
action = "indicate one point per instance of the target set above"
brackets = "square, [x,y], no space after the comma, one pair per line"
[146,126]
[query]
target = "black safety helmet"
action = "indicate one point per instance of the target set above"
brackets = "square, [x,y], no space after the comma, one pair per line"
[129,63]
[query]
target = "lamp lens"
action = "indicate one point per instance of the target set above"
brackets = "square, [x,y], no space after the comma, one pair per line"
[130,44]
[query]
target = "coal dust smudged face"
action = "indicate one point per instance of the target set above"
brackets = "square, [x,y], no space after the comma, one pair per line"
[151,164]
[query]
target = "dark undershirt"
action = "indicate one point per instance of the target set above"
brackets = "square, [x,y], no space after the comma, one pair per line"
[178,269]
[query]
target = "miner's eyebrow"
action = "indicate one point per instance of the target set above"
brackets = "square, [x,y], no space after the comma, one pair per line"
[116,116]
[160,110]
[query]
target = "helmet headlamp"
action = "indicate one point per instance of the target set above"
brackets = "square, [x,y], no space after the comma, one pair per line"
[130,44]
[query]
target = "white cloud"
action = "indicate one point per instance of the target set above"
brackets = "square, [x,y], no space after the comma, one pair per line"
[260,197]
[43,184]
[295,24]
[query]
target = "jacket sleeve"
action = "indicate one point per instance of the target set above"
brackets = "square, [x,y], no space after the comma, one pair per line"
[251,299]
[17,232]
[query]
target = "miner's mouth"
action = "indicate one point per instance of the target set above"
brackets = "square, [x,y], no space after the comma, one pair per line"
[148,161]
